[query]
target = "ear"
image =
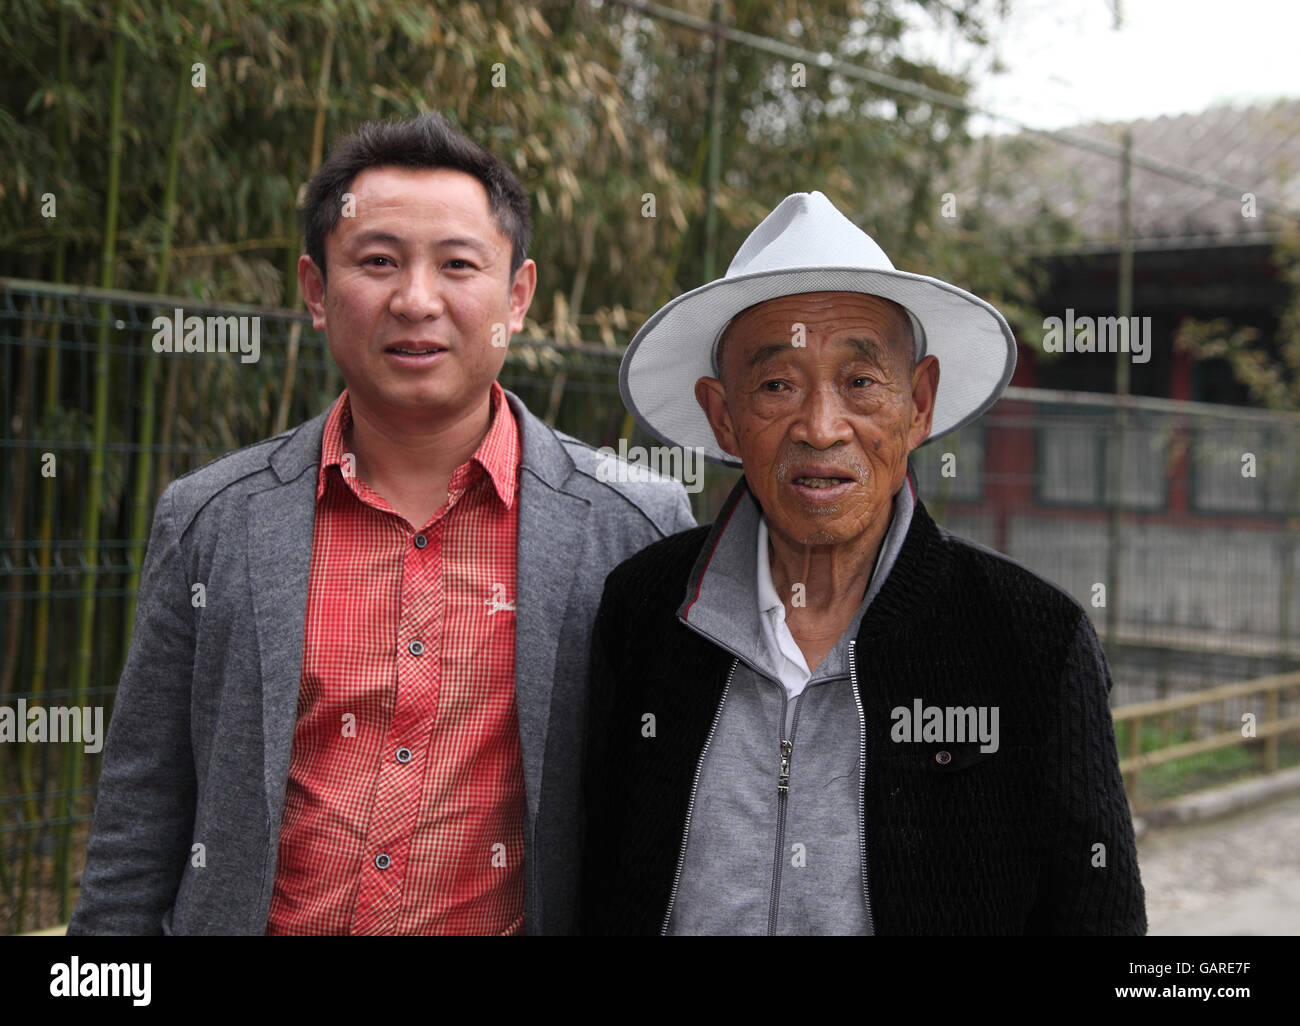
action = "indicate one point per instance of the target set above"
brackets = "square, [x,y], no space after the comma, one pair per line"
[311,283]
[925,386]
[522,287]
[712,398]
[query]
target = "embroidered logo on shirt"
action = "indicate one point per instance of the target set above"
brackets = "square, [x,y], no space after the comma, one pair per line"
[498,603]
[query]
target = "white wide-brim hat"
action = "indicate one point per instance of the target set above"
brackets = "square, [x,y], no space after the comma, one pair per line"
[807,245]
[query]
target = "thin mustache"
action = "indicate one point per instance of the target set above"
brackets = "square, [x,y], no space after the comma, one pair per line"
[857,466]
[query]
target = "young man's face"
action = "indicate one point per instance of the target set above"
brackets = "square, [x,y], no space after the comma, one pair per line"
[419,303]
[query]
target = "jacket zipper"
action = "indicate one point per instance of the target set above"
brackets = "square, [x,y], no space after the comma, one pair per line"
[862,781]
[782,797]
[690,806]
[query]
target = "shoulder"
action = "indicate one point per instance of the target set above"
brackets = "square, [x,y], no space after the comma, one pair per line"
[624,490]
[659,572]
[232,475]
[1031,620]
[965,589]
[969,602]
[1007,584]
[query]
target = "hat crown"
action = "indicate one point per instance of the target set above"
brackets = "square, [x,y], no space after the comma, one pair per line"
[806,230]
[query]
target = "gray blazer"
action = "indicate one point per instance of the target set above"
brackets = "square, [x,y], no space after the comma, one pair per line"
[198,747]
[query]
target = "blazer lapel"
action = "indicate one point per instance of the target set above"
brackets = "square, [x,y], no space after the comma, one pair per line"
[280,524]
[552,530]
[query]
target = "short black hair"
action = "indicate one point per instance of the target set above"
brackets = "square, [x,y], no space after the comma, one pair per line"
[426,141]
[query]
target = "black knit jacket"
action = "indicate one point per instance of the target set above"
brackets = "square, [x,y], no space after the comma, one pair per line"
[1035,838]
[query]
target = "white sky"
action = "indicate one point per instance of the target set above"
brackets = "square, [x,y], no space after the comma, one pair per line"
[1068,64]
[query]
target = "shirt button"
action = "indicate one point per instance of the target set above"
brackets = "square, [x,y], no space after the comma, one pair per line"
[421,541]
[942,758]
[382,862]
[416,648]
[403,755]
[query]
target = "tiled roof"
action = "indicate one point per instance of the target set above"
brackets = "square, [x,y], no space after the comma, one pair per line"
[1255,147]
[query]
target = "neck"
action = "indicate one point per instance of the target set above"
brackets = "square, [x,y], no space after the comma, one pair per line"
[409,458]
[409,441]
[834,577]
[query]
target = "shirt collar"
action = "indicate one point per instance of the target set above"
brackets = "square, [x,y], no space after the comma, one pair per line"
[497,455]
[768,599]
[890,545]
[726,600]
[722,598]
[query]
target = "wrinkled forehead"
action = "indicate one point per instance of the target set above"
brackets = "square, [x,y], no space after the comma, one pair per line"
[918,333]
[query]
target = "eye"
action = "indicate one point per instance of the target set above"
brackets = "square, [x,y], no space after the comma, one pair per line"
[460,265]
[371,260]
[863,381]
[775,385]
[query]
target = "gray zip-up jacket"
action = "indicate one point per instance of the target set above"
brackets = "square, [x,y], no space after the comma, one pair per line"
[199,743]
[775,842]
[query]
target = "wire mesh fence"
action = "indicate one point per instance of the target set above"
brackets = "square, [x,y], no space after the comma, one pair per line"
[1191,580]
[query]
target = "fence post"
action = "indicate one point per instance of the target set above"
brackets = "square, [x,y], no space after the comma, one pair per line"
[1124,303]
[1271,715]
[1133,784]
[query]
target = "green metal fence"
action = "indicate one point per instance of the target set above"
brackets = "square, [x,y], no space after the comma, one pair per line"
[1205,593]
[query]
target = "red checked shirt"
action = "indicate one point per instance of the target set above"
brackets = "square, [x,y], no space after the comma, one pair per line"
[405,804]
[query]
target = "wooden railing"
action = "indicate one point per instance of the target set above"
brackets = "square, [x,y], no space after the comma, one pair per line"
[1267,728]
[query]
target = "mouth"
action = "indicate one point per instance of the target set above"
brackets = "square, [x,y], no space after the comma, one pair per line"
[405,348]
[821,485]
[415,349]
[821,482]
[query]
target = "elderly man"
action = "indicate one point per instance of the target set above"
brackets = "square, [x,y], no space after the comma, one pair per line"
[823,713]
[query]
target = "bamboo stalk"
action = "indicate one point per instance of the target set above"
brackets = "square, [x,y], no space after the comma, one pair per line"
[22,421]
[17,500]
[585,252]
[140,504]
[93,491]
[291,293]
[49,411]
[168,425]
[670,269]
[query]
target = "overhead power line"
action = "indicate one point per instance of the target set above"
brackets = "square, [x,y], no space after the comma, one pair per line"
[893,83]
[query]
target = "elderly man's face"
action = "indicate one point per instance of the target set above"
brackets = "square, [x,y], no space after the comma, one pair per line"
[823,428]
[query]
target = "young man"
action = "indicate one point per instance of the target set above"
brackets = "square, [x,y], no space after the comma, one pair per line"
[373,723]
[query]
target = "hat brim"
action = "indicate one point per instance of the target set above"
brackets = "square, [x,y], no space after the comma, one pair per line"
[974,344]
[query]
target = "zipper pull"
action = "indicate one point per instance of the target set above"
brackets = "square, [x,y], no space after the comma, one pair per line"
[783,781]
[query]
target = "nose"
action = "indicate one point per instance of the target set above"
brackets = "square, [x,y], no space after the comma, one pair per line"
[821,422]
[417,296]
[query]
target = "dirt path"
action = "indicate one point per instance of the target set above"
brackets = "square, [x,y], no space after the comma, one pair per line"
[1239,875]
